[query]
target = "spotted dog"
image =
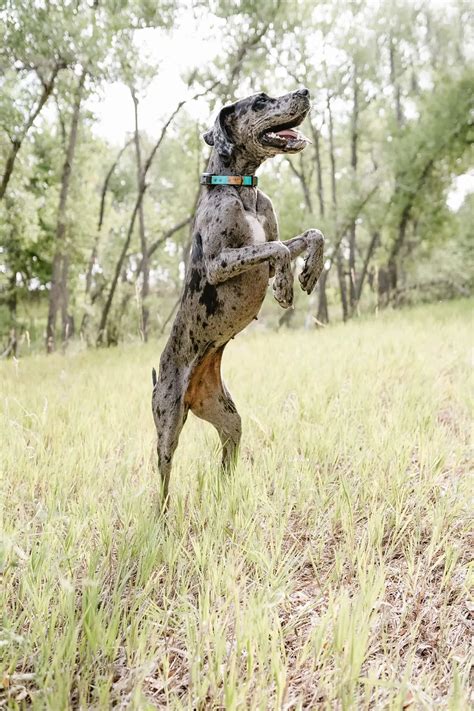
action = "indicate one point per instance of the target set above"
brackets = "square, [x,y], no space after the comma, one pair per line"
[235,250]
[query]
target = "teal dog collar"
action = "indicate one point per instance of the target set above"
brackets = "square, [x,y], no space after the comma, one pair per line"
[238,180]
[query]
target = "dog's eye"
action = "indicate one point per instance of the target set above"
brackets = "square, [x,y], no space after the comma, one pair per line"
[260,102]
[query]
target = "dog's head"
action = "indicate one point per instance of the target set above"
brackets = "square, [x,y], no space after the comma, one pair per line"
[260,127]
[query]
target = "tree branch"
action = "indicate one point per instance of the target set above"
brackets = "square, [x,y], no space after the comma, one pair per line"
[16,143]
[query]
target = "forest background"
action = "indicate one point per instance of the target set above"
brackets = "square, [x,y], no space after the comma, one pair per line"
[103,104]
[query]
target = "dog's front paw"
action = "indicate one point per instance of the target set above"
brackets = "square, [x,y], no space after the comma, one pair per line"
[313,265]
[283,288]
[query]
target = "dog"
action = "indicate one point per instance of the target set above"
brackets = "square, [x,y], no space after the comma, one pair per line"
[235,251]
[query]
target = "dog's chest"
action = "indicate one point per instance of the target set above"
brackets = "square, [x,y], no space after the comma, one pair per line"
[256,228]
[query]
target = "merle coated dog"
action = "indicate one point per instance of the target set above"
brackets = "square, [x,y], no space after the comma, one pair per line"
[235,251]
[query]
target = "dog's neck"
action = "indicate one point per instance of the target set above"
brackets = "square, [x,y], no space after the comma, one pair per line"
[239,164]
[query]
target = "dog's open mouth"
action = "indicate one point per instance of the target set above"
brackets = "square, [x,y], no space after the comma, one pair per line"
[286,136]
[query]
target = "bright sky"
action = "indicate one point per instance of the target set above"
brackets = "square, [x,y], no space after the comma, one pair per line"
[175,53]
[462,185]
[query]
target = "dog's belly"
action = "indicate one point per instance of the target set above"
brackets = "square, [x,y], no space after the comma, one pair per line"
[241,298]
[216,313]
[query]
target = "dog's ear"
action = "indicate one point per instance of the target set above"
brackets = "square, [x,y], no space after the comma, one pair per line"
[209,137]
[219,135]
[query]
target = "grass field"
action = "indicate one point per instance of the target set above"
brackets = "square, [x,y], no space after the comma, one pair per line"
[331,571]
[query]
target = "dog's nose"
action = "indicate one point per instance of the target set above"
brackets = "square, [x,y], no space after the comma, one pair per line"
[303,92]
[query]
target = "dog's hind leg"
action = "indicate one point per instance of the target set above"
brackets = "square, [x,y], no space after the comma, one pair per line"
[209,399]
[218,408]
[169,412]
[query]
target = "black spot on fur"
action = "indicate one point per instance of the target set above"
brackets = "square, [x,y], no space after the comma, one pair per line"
[209,299]
[197,248]
[229,406]
[194,283]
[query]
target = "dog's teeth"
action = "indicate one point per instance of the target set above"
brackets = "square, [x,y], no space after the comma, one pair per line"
[272,134]
[288,141]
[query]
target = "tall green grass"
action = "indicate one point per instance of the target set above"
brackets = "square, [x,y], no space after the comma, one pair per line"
[331,571]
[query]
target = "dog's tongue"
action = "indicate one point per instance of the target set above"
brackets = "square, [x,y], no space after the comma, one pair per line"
[288,133]
[292,134]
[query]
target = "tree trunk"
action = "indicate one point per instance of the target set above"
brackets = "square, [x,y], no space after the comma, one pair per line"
[287,317]
[58,292]
[66,318]
[332,156]
[352,231]
[323,313]
[352,268]
[342,284]
[319,172]
[375,240]
[301,175]
[102,332]
[337,248]
[392,263]
[11,349]
[395,83]
[34,113]
[103,195]
[95,247]
[170,315]
[145,269]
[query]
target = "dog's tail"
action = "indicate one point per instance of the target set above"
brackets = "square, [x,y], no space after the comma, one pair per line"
[153,376]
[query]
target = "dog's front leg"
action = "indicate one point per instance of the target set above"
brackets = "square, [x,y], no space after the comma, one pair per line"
[233,261]
[311,241]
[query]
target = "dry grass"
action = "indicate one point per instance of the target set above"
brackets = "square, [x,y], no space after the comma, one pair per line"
[332,570]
